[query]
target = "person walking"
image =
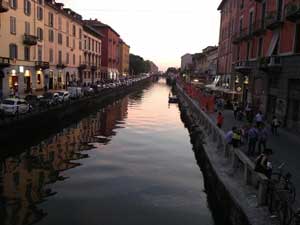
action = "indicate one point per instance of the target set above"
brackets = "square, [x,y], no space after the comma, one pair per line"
[220,120]
[237,138]
[262,137]
[235,110]
[275,124]
[259,119]
[229,135]
[252,140]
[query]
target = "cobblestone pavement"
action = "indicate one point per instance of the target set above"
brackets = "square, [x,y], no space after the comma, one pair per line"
[286,148]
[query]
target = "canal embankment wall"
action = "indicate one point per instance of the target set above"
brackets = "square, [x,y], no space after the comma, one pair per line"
[236,193]
[39,125]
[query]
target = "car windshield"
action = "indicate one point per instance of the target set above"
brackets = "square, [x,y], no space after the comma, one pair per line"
[8,102]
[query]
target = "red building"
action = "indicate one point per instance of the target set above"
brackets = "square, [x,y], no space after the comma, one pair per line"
[110,49]
[266,57]
[228,9]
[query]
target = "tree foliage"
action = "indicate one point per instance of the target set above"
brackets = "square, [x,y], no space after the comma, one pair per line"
[138,65]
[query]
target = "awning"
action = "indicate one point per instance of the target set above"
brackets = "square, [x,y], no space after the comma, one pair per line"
[273,42]
[214,83]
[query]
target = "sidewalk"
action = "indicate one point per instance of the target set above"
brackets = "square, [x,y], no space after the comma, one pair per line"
[286,148]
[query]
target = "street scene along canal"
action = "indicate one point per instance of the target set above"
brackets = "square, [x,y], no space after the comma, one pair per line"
[129,163]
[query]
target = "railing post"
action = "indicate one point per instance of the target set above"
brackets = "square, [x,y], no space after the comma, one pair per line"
[262,192]
[247,175]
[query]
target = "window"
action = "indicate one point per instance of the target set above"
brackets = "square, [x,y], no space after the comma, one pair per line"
[59,57]
[80,45]
[67,41]
[13,51]
[297,39]
[51,59]
[260,47]
[74,59]
[74,31]
[13,26]
[68,27]
[39,13]
[73,46]
[248,49]
[40,53]
[59,23]
[67,58]
[27,7]
[40,2]
[59,38]
[51,19]
[27,53]
[27,28]
[51,36]
[40,34]
[13,4]
[93,44]
[80,34]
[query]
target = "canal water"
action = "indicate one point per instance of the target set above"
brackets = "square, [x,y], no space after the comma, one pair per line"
[130,163]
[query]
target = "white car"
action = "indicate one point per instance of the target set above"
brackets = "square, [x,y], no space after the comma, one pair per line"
[13,106]
[63,96]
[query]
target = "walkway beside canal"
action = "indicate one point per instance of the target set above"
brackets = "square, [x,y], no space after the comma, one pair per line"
[286,147]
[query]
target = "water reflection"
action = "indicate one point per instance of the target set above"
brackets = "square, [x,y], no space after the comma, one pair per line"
[25,178]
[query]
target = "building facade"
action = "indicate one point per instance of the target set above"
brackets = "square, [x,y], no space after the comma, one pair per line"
[228,10]
[110,49]
[124,58]
[265,57]
[186,62]
[90,68]
[63,37]
[22,63]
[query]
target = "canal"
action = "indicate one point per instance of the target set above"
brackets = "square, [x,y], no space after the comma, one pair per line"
[129,163]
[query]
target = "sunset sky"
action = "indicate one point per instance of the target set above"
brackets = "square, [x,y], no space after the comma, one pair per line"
[158,30]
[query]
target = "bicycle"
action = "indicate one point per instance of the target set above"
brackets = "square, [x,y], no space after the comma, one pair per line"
[283,183]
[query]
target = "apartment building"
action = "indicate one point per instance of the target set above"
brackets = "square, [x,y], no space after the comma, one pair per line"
[110,49]
[124,58]
[22,65]
[90,68]
[63,34]
[267,47]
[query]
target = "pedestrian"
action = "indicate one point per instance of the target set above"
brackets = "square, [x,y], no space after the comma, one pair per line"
[249,115]
[263,163]
[275,124]
[252,140]
[262,137]
[229,135]
[220,120]
[259,119]
[235,110]
[237,138]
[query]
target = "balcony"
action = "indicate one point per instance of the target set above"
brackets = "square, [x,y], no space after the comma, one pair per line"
[41,65]
[30,39]
[94,67]
[270,64]
[240,36]
[273,20]
[61,66]
[259,27]
[4,6]
[83,66]
[243,67]
[4,62]
[292,11]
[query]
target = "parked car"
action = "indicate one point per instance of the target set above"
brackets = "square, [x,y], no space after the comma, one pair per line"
[49,99]
[75,92]
[14,106]
[63,96]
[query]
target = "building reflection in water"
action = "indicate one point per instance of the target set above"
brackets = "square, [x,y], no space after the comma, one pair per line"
[25,179]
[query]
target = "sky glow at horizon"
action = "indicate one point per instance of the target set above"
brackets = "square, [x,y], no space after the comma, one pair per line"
[161,31]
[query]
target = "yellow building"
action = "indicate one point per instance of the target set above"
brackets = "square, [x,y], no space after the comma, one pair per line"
[90,72]
[40,46]
[124,58]
[21,42]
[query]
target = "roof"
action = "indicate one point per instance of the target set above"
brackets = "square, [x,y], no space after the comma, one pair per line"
[92,31]
[96,23]
[221,4]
